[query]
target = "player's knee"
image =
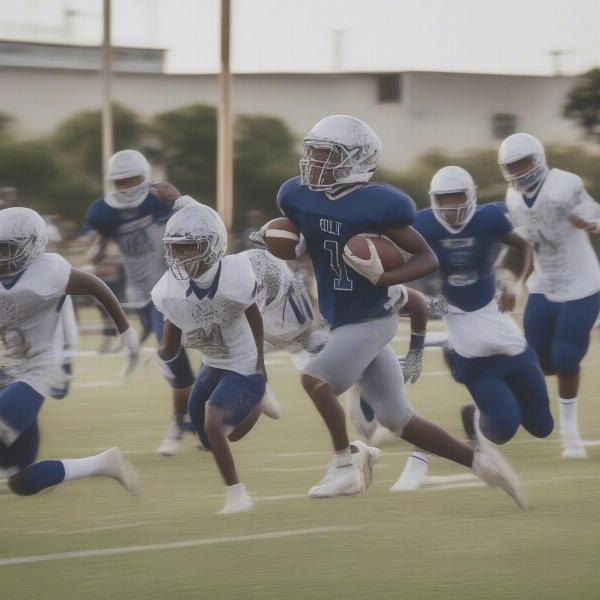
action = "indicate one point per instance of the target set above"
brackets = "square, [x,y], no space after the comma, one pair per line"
[19,485]
[500,429]
[566,357]
[541,427]
[312,385]
[395,420]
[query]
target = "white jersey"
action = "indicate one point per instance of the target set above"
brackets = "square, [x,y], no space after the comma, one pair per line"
[565,264]
[29,323]
[210,312]
[483,332]
[281,298]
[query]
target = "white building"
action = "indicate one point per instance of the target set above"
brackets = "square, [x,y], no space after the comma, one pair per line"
[413,112]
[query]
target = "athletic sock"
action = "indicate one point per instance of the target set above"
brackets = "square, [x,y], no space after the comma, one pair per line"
[90,466]
[569,427]
[342,458]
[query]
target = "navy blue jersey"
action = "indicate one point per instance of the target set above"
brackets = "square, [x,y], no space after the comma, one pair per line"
[138,232]
[467,258]
[344,295]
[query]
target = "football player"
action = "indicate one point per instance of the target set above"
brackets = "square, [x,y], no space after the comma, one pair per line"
[488,351]
[331,202]
[552,210]
[209,303]
[33,287]
[135,218]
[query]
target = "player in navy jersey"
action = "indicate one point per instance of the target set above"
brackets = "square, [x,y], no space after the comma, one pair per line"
[332,201]
[135,219]
[489,353]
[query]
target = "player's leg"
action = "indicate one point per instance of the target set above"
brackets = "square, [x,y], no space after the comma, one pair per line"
[570,345]
[347,353]
[382,385]
[529,387]
[499,413]
[230,403]
[181,386]
[539,322]
[50,473]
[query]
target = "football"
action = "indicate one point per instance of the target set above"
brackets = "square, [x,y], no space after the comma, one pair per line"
[282,236]
[389,253]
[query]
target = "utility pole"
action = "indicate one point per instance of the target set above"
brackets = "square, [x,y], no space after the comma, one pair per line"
[107,120]
[224,125]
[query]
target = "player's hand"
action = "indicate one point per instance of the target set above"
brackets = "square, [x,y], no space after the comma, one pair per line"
[436,306]
[370,268]
[259,238]
[411,365]
[130,339]
[589,226]
[165,191]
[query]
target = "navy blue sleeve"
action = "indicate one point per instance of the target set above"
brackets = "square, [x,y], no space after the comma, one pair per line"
[100,218]
[400,210]
[160,210]
[285,198]
[497,218]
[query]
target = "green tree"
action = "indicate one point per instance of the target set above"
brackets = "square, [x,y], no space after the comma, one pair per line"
[187,147]
[265,157]
[583,104]
[79,138]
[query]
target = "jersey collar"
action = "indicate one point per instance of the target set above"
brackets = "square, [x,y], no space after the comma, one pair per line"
[339,191]
[201,292]
[9,282]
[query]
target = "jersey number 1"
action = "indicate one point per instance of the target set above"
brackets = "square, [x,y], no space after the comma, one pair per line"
[342,282]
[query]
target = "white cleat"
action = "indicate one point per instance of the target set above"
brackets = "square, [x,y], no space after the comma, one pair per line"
[492,468]
[270,405]
[365,460]
[338,481]
[237,500]
[574,451]
[412,476]
[116,466]
[171,443]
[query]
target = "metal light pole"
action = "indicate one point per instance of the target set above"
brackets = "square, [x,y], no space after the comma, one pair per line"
[224,125]
[107,120]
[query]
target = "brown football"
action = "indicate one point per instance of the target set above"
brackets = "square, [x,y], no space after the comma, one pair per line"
[390,255]
[282,235]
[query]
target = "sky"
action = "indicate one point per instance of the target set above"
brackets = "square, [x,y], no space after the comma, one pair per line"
[489,36]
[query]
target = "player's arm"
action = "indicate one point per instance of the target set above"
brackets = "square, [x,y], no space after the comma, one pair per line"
[82,283]
[412,363]
[422,262]
[522,269]
[256,325]
[169,194]
[587,213]
[168,350]
[97,250]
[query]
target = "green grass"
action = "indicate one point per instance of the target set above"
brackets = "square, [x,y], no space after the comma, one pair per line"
[463,543]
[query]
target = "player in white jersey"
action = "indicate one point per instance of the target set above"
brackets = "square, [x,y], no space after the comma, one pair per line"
[552,210]
[134,217]
[33,286]
[209,303]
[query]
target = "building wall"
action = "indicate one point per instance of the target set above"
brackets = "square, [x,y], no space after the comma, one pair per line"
[451,111]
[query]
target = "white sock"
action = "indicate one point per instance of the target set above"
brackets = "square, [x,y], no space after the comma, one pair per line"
[90,466]
[342,458]
[418,461]
[568,417]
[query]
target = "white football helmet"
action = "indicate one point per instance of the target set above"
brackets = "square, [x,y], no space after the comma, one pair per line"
[199,225]
[516,147]
[450,180]
[23,238]
[354,152]
[123,165]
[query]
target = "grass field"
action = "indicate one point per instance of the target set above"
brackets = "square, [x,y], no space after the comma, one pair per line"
[460,541]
